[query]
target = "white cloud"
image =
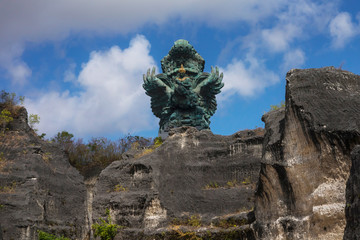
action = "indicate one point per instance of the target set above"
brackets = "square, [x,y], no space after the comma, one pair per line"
[246,78]
[342,29]
[19,72]
[293,59]
[42,20]
[299,20]
[111,100]
[69,75]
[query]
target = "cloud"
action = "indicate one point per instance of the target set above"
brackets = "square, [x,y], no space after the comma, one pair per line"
[342,29]
[37,21]
[246,78]
[293,59]
[111,100]
[299,20]
[69,75]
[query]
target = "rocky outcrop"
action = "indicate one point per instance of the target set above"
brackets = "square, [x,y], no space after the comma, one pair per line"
[39,190]
[352,210]
[193,176]
[298,181]
[306,156]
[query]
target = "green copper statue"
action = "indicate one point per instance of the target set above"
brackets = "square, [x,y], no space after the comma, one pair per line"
[183,95]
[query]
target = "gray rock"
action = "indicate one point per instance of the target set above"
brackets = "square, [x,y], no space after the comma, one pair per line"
[306,157]
[39,190]
[352,210]
[193,174]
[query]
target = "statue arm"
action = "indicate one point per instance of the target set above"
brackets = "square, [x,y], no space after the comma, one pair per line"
[158,87]
[208,85]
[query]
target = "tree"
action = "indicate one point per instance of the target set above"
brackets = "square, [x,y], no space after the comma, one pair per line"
[34,119]
[63,137]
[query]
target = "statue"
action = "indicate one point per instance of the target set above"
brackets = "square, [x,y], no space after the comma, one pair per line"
[183,95]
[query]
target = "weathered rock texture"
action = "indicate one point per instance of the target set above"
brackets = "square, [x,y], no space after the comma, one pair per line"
[352,211]
[306,156]
[193,174]
[301,168]
[39,190]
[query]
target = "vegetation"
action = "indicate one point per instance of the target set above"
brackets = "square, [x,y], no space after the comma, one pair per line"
[9,106]
[106,230]
[246,181]
[278,106]
[9,188]
[212,185]
[34,119]
[91,157]
[231,183]
[5,119]
[119,188]
[47,236]
[192,221]
[10,102]
[146,150]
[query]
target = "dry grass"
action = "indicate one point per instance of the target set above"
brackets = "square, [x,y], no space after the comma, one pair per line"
[9,188]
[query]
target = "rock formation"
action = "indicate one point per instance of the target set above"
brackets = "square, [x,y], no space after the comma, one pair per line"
[39,190]
[194,174]
[352,210]
[306,156]
[299,180]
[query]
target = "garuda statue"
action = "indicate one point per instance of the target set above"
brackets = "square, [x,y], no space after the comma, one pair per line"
[183,95]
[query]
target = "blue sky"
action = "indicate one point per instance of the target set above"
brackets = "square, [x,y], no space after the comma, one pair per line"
[79,63]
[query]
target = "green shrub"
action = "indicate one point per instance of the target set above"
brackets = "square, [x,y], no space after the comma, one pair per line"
[194,221]
[212,185]
[5,118]
[34,119]
[278,106]
[106,230]
[119,188]
[158,141]
[232,183]
[47,236]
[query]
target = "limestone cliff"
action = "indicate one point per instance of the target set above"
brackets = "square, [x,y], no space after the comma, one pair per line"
[352,210]
[306,156]
[194,174]
[39,190]
[298,180]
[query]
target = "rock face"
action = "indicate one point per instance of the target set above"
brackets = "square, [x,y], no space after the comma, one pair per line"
[39,190]
[301,180]
[352,211]
[306,156]
[192,175]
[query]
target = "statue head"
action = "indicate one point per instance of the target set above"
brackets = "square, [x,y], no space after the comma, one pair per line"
[182,53]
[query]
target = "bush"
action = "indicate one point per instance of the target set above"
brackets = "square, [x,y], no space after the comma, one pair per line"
[47,236]
[278,106]
[5,118]
[92,157]
[10,102]
[106,230]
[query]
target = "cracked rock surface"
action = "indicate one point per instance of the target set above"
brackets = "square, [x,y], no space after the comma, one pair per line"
[306,156]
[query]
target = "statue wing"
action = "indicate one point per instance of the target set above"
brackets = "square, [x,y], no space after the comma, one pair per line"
[207,86]
[159,88]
